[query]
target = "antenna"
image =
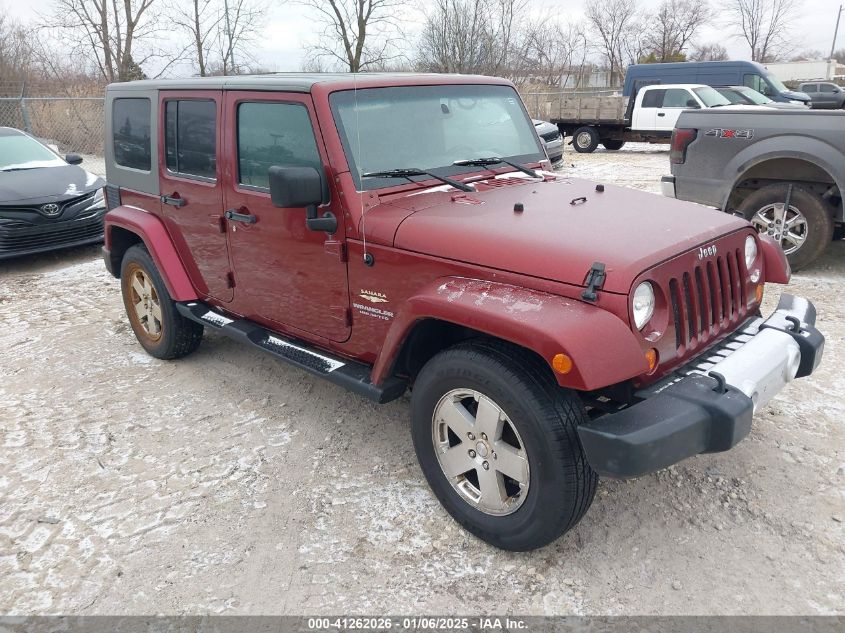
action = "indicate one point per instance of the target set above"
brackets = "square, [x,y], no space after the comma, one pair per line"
[368,259]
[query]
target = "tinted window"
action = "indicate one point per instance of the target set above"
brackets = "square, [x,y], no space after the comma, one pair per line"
[653,98]
[190,137]
[273,134]
[677,98]
[131,132]
[809,88]
[827,88]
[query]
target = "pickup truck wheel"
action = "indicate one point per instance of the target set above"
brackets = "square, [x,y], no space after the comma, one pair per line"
[585,140]
[804,230]
[497,440]
[161,330]
[613,145]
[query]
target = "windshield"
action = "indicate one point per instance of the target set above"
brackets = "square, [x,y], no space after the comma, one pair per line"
[710,97]
[18,151]
[431,127]
[755,97]
[776,83]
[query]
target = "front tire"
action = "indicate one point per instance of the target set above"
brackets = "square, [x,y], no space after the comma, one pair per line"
[497,440]
[804,230]
[585,140]
[158,326]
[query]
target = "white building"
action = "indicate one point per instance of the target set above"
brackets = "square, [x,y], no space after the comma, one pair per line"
[826,69]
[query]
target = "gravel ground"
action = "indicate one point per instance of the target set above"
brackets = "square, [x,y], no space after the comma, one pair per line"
[230,483]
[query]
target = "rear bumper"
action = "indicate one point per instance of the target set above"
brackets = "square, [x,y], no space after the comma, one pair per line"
[667,186]
[707,405]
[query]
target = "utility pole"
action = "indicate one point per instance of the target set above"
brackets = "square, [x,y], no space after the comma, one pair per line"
[835,32]
[232,48]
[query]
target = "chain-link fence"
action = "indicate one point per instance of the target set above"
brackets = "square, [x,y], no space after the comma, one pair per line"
[68,124]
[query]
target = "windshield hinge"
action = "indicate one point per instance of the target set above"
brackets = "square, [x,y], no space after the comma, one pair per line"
[595,280]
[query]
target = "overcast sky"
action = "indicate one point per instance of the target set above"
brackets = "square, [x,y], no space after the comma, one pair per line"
[281,46]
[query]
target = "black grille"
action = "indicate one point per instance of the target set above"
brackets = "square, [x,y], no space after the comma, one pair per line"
[708,299]
[64,204]
[14,238]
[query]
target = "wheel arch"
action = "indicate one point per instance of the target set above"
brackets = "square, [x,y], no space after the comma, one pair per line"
[453,309]
[127,226]
[813,164]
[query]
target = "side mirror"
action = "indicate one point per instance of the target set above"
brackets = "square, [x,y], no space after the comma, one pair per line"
[73,159]
[295,187]
[692,103]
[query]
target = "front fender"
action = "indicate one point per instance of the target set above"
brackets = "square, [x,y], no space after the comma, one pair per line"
[153,234]
[776,265]
[602,347]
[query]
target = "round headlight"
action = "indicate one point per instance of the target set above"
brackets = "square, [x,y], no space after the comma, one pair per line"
[750,251]
[643,304]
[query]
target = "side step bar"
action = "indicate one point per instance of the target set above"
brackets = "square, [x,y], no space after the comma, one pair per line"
[352,375]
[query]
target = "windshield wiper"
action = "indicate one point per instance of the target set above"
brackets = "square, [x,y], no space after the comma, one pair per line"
[408,172]
[495,160]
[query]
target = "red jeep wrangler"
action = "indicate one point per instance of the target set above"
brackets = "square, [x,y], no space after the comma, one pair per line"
[389,232]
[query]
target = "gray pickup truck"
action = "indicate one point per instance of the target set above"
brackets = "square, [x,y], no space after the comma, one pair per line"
[782,170]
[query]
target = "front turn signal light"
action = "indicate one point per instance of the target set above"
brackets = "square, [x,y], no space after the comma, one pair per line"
[562,363]
[651,358]
[758,293]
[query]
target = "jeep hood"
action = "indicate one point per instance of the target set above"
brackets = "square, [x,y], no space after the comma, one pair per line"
[565,227]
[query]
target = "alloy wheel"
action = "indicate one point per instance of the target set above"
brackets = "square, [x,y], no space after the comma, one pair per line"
[788,226]
[480,452]
[146,309]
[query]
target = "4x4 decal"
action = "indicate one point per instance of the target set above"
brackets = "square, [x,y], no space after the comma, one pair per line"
[722,133]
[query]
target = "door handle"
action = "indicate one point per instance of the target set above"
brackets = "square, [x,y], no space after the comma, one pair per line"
[174,200]
[234,216]
[661,114]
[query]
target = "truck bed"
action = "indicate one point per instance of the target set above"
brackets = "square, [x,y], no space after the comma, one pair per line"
[564,108]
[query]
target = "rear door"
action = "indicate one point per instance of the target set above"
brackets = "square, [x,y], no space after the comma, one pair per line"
[645,113]
[191,186]
[287,277]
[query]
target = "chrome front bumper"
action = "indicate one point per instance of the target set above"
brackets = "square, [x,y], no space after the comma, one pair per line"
[706,406]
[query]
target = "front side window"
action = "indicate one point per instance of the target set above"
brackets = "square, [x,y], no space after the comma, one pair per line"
[711,97]
[829,88]
[273,134]
[678,98]
[431,127]
[756,82]
[131,132]
[190,138]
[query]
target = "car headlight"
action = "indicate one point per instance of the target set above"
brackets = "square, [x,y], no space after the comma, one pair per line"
[97,201]
[643,304]
[750,251]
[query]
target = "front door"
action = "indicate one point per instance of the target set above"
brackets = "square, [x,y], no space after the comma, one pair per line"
[191,186]
[675,101]
[286,276]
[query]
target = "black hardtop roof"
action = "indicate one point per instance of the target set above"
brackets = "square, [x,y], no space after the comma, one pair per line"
[291,82]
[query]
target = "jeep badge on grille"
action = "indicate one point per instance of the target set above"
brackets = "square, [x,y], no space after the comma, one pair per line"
[706,251]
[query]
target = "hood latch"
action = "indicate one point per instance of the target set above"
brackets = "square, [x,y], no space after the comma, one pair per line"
[595,280]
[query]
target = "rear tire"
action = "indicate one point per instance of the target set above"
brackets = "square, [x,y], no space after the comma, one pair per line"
[158,326]
[463,392]
[613,145]
[809,222]
[585,140]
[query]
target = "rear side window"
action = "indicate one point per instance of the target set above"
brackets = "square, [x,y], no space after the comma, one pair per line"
[677,98]
[653,98]
[190,138]
[809,88]
[131,132]
[273,134]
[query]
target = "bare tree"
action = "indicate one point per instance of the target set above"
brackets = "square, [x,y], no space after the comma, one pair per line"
[557,51]
[491,37]
[215,44]
[765,25]
[613,23]
[709,52]
[16,51]
[356,34]
[808,55]
[116,38]
[673,26]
